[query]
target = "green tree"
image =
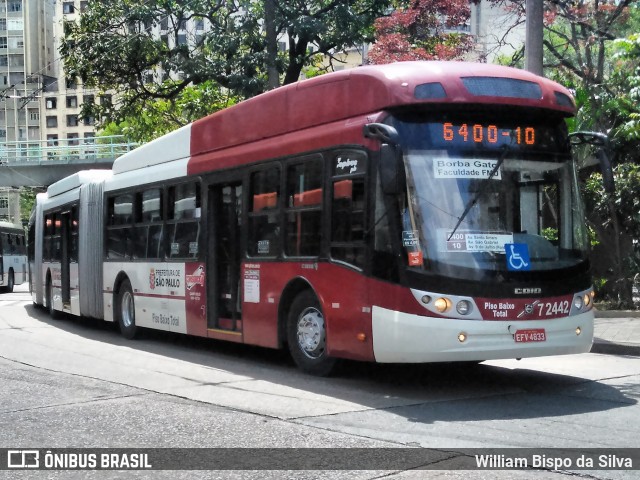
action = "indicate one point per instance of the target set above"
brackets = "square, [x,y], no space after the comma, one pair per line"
[153,119]
[142,52]
[582,51]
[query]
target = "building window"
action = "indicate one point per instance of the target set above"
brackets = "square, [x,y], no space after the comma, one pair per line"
[52,140]
[89,120]
[88,99]
[34,115]
[3,23]
[72,83]
[72,120]
[68,8]
[72,139]
[3,42]
[15,6]
[4,61]
[52,122]
[3,133]
[83,6]
[52,103]
[72,102]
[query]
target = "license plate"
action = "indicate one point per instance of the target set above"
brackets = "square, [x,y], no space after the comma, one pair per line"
[531,335]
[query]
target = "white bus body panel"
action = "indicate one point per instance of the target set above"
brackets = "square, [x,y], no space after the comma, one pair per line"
[75,181]
[162,172]
[407,338]
[56,286]
[17,263]
[158,290]
[172,146]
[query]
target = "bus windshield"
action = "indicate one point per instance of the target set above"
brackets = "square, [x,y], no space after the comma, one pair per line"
[488,194]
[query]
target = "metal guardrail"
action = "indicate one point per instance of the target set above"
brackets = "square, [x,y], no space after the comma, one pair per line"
[64,151]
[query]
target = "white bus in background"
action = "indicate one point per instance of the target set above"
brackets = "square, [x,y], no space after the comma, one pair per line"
[13,256]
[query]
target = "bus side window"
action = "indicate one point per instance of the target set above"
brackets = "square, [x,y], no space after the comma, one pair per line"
[264,215]
[347,221]
[74,234]
[119,230]
[147,236]
[304,212]
[183,220]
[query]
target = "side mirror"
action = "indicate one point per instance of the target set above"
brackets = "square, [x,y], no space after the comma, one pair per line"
[390,166]
[601,142]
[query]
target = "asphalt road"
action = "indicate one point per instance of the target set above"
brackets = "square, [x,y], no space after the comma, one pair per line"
[78,384]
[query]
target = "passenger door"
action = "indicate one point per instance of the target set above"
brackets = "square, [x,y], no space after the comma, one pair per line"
[224,256]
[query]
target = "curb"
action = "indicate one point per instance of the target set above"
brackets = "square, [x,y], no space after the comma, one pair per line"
[610,348]
[617,313]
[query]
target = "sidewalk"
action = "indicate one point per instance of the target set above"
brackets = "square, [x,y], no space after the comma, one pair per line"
[617,332]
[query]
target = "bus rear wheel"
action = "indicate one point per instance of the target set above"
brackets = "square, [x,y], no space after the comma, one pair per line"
[125,311]
[307,336]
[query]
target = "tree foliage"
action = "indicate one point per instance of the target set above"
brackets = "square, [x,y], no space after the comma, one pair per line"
[582,51]
[422,30]
[143,53]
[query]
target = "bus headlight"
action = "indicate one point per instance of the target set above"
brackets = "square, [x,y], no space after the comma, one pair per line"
[463,307]
[586,299]
[442,304]
[578,303]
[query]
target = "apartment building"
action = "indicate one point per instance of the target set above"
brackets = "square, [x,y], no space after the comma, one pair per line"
[63,123]
[26,70]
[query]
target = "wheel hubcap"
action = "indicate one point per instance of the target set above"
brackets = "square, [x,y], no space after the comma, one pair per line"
[126,310]
[311,333]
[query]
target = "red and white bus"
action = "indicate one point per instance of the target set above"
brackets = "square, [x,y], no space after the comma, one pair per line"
[413,212]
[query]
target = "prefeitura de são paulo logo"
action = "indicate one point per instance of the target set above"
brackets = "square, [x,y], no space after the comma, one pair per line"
[152,279]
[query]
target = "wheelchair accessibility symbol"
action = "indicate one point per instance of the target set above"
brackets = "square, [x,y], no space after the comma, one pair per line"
[517,256]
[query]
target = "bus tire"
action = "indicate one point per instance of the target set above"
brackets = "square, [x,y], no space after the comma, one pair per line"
[307,335]
[125,311]
[10,283]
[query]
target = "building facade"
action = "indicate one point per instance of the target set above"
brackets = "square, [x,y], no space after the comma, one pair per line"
[63,123]
[26,70]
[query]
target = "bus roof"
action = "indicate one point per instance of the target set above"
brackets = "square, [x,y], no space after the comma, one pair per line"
[370,89]
[76,180]
[11,226]
[336,97]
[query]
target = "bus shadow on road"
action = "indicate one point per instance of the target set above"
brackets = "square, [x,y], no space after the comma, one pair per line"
[422,393]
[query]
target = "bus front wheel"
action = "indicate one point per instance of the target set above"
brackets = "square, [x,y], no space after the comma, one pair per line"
[126,312]
[307,336]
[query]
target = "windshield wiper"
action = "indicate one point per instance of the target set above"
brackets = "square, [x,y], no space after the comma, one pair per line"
[481,190]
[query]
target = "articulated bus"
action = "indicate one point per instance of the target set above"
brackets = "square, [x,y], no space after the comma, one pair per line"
[13,256]
[405,213]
